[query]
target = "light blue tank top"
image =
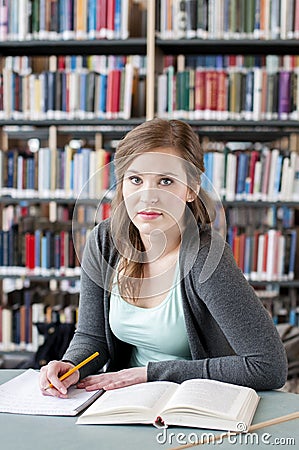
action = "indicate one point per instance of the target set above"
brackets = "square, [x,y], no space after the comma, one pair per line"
[156,334]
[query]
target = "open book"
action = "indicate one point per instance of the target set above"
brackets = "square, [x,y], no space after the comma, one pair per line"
[21,395]
[194,403]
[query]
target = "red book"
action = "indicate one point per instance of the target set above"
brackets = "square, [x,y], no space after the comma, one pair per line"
[29,251]
[62,250]
[200,99]
[265,256]
[113,94]
[254,157]
[221,84]
[242,238]
[236,249]
[101,19]
[110,18]
[106,209]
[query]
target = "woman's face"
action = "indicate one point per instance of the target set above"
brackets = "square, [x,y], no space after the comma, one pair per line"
[155,190]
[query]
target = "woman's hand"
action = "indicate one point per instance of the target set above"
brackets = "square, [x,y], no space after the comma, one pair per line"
[51,373]
[114,380]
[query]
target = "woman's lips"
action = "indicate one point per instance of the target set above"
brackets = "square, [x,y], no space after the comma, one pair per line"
[149,215]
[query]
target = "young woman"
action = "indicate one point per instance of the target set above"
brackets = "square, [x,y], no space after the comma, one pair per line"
[161,295]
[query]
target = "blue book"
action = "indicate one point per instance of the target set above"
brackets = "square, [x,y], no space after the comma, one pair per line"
[248,101]
[277,179]
[85,171]
[1,248]
[57,251]
[91,19]
[204,181]
[83,77]
[103,93]
[28,320]
[50,250]
[291,273]
[242,171]
[37,243]
[10,168]
[117,19]
[248,255]
[44,250]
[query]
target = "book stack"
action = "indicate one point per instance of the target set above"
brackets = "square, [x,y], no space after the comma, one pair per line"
[229,87]
[230,19]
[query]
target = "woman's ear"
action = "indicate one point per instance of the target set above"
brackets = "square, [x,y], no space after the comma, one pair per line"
[192,194]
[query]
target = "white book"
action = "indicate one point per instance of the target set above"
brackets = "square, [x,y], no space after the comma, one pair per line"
[295,165]
[129,74]
[257,194]
[124,26]
[271,255]
[161,95]
[22,395]
[280,257]
[272,174]
[218,173]
[199,403]
[283,195]
[6,328]
[257,92]
[260,257]
[283,18]
[231,176]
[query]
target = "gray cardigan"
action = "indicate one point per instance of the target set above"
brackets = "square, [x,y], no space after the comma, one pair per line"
[231,335]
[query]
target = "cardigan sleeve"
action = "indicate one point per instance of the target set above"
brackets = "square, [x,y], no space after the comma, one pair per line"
[90,335]
[257,358]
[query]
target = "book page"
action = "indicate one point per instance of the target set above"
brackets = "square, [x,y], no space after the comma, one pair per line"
[22,395]
[144,396]
[210,397]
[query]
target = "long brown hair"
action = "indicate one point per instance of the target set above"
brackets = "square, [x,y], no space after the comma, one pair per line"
[150,135]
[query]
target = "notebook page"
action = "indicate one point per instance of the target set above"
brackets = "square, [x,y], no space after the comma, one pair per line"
[22,395]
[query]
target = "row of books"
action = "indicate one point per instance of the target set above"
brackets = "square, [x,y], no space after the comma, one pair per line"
[26,308]
[279,306]
[104,91]
[229,87]
[228,19]
[56,173]
[239,173]
[34,245]
[251,218]
[70,19]
[265,256]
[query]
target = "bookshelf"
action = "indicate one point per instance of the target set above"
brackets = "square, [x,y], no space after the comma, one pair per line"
[207,37]
[150,45]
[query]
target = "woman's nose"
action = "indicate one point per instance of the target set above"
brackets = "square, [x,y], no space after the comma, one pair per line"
[149,196]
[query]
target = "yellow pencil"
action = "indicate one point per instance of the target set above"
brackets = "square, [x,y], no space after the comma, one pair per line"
[78,366]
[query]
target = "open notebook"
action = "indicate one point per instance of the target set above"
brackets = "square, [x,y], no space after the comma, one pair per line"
[22,395]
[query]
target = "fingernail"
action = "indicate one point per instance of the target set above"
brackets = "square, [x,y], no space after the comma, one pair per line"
[63,390]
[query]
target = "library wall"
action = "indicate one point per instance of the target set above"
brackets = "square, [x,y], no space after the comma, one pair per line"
[75,76]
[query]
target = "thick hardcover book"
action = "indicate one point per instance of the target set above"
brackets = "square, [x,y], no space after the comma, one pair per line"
[194,403]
